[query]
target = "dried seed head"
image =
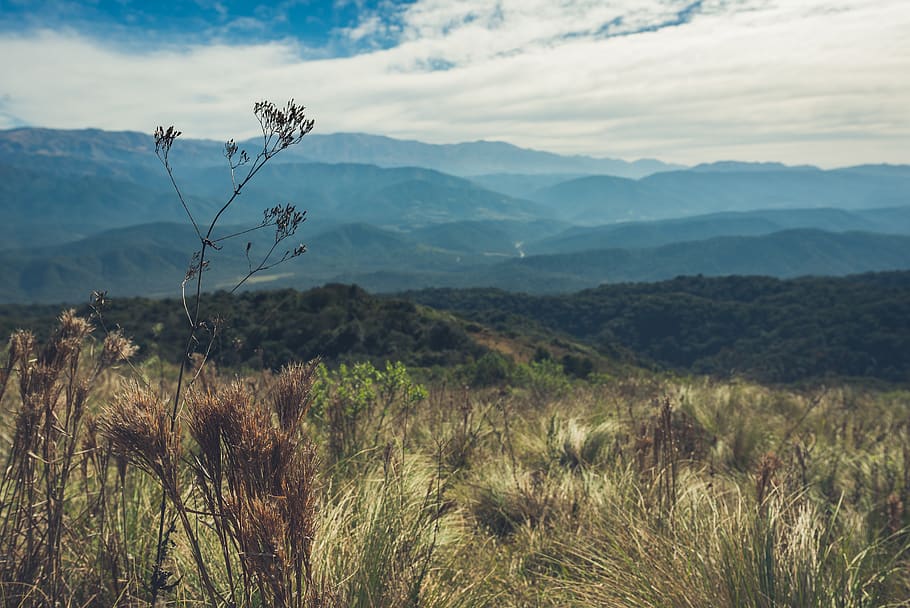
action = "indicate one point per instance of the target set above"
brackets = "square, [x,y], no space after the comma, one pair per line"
[21,347]
[236,406]
[73,326]
[206,423]
[138,425]
[768,466]
[261,535]
[164,139]
[37,380]
[79,396]
[257,452]
[265,471]
[291,393]
[67,340]
[267,529]
[300,493]
[286,125]
[116,348]
[28,420]
[19,353]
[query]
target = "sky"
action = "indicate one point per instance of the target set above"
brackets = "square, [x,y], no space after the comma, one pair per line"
[823,82]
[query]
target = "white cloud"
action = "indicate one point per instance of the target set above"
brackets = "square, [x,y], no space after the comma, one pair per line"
[792,80]
[372,26]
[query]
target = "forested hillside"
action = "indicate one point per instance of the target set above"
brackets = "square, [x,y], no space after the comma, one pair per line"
[759,327]
[270,329]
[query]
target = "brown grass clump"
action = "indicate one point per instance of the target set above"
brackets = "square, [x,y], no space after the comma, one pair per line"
[254,473]
[138,426]
[54,383]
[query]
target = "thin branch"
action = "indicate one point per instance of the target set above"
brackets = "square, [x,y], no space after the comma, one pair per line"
[242,232]
[288,255]
[259,268]
[205,358]
[164,140]
[183,299]
[186,208]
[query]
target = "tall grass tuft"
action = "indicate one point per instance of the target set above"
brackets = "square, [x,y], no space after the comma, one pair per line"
[247,472]
[382,535]
[55,380]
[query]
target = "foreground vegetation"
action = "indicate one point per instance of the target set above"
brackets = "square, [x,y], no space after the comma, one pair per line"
[501,484]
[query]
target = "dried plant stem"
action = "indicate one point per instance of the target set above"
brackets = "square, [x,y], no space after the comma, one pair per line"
[281,128]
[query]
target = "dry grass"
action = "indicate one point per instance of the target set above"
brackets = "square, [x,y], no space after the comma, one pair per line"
[643,492]
[39,506]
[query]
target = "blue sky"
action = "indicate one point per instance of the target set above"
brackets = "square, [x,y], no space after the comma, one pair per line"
[800,81]
[316,24]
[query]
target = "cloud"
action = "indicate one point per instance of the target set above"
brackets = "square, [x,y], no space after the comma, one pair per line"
[689,82]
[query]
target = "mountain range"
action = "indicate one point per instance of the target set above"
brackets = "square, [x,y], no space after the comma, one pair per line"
[91,209]
[464,159]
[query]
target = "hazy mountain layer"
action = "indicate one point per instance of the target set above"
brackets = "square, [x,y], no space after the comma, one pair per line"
[151,260]
[600,199]
[89,209]
[894,220]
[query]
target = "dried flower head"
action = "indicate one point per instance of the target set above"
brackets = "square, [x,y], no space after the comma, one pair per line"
[231,150]
[291,393]
[21,346]
[138,425]
[116,348]
[73,326]
[300,495]
[286,126]
[67,339]
[207,420]
[164,139]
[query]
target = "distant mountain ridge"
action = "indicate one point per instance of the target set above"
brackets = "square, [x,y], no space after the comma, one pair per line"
[892,220]
[464,159]
[730,166]
[598,199]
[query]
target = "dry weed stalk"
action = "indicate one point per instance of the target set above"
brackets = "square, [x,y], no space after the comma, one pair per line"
[54,382]
[765,478]
[658,456]
[281,128]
